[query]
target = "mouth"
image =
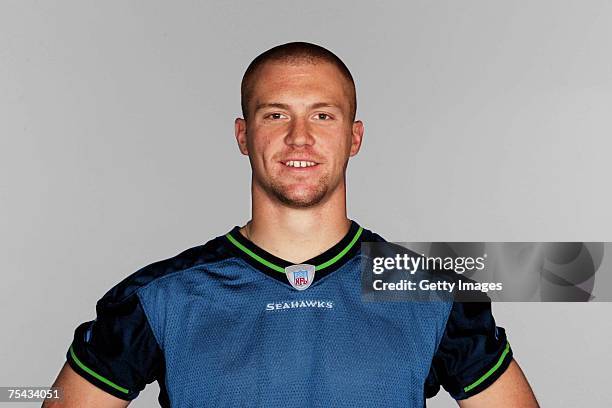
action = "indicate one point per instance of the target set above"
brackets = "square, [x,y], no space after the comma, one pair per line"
[298,164]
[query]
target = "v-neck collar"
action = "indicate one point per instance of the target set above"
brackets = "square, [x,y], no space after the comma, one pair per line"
[273,266]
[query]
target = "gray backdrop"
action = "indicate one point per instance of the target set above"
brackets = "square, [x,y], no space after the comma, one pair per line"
[485,121]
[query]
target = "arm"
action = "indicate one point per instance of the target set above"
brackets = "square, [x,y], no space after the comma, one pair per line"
[112,358]
[474,362]
[78,392]
[510,390]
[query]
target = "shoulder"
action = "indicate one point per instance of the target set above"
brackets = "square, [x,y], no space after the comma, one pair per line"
[213,251]
[370,236]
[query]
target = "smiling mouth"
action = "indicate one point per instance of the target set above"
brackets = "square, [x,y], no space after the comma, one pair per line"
[299,163]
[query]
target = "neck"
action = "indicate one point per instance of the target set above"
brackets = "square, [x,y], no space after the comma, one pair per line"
[297,234]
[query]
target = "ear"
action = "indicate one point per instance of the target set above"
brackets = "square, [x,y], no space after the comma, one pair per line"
[241,135]
[356,137]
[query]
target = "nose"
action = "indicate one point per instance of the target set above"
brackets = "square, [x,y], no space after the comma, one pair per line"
[299,134]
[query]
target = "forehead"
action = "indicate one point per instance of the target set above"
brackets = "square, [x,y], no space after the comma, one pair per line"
[318,82]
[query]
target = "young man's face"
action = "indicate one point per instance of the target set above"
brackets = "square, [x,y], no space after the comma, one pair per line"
[299,133]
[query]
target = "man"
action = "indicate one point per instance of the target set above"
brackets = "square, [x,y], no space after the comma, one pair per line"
[236,323]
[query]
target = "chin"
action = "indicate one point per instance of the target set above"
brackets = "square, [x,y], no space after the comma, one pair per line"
[302,198]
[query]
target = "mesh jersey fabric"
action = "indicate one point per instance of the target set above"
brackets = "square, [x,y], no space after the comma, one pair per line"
[219,325]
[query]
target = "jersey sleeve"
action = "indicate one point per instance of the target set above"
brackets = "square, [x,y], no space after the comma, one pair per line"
[472,354]
[117,351]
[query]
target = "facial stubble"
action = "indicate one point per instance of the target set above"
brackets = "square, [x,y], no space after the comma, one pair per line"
[282,192]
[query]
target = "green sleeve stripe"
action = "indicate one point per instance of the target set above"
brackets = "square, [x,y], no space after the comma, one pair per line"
[491,371]
[342,253]
[96,375]
[254,255]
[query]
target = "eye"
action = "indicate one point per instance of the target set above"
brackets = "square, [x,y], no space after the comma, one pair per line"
[274,116]
[322,116]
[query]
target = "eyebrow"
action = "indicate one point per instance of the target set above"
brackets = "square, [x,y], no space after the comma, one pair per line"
[271,105]
[317,105]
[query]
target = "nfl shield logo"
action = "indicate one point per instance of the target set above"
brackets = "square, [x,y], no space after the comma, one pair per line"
[300,276]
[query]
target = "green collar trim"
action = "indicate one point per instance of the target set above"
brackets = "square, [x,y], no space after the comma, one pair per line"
[280,269]
[254,255]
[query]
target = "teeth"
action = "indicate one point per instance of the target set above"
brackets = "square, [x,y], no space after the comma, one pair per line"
[299,163]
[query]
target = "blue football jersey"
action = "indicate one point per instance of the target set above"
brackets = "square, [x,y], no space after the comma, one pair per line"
[221,325]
